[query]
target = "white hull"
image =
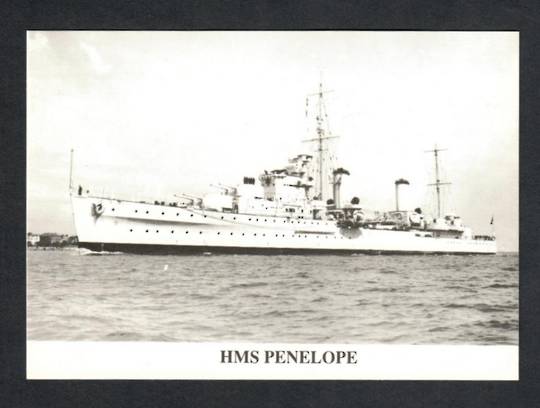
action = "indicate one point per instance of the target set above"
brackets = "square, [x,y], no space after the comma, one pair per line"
[143,227]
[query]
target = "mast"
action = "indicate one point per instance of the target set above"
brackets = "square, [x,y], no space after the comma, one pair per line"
[321,135]
[438,182]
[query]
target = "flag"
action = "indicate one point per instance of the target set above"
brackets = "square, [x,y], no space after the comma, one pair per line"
[491,222]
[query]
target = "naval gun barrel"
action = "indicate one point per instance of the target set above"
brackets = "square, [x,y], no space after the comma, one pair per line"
[223,187]
[183,195]
[189,197]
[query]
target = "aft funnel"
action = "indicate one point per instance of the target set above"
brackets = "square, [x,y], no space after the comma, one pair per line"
[402,195]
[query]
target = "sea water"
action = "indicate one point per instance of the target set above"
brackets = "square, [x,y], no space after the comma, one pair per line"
[425,299]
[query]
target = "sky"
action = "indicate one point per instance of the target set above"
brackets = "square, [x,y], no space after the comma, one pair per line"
[153,114]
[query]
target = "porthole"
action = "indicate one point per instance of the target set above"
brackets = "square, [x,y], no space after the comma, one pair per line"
[187,232]
[113,209]
[146,230]
[157,231]
[162,213]
[222,217]
[256,219]
[264,219]
[243,234]
[200,232]
[219,233]
[146,212]
[130,230]
[177,214]
[136,211]
[191,215]
[234,218]
[172,232]
[255,234]
[264,235]
[249,219]
[205,216]
[231,233]
[276,235]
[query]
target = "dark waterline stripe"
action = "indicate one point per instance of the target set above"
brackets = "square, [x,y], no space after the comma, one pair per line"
[150,249]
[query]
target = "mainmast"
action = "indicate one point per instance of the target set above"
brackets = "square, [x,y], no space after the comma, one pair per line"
[438,182]
[322,135]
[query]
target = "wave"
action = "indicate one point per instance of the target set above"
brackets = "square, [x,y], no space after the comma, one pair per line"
[438,329]
[248,285]
[87,318]
[394,338]
[462,288]
[482,307]
[495,339]
[381,290]
[457,306]
[257,296]
[125,336]
[496,324]
[388,271]
[200,296]
[485,308]
[274,313]
[501,286]
[89,252]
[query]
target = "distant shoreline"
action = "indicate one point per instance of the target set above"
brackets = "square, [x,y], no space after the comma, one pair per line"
[50,248]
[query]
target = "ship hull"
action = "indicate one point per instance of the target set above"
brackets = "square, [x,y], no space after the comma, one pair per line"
[150,249]
[138,227]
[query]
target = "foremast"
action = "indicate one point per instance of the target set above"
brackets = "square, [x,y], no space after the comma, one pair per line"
[324,167]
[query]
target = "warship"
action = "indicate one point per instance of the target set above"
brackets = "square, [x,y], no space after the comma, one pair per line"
[293,209]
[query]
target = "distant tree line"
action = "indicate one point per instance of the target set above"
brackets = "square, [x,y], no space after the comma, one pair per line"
[50,239]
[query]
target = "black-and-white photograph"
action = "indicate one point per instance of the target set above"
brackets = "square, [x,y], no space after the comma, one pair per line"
[298,187]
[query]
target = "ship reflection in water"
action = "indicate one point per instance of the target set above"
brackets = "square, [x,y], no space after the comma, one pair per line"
[425,299]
